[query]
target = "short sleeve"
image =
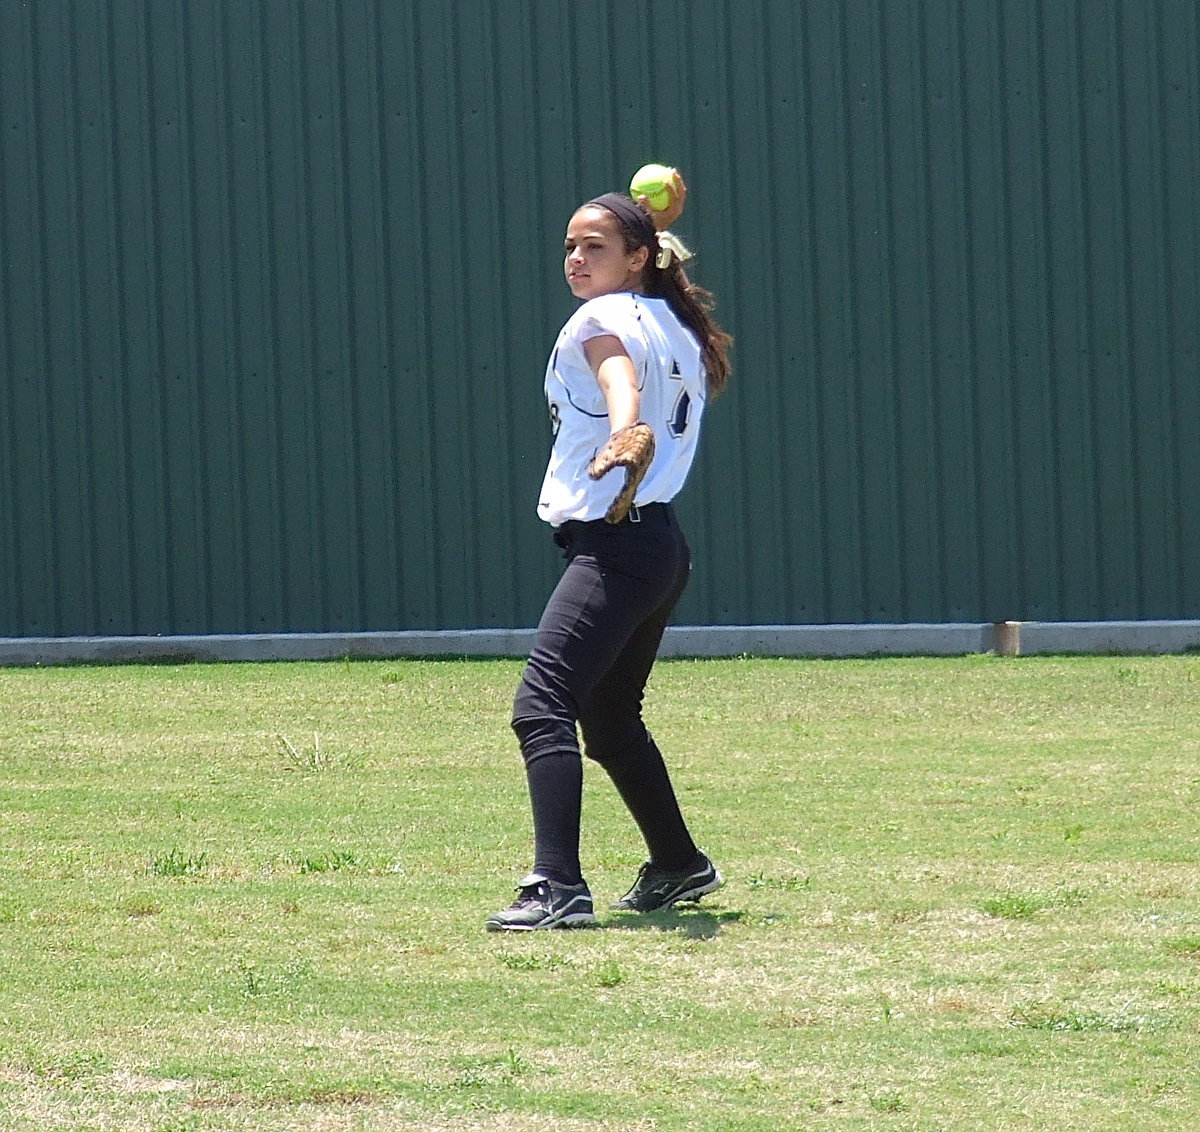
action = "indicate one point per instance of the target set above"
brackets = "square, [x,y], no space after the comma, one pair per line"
[615,315]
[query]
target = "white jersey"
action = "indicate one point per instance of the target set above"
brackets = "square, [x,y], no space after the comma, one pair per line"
[670,377]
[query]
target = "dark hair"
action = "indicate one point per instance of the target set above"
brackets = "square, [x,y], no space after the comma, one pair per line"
[693,305]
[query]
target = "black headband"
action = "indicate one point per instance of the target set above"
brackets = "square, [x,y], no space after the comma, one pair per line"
[631,217]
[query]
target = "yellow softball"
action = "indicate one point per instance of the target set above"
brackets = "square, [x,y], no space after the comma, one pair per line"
[651,181]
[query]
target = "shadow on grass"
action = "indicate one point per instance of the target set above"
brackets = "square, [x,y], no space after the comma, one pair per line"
[694,923]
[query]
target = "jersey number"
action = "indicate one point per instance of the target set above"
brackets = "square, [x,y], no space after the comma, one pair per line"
[679,415]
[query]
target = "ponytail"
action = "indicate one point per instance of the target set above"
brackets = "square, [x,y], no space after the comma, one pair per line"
[693,306]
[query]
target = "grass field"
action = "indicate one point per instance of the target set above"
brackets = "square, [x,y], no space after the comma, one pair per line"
[962,894]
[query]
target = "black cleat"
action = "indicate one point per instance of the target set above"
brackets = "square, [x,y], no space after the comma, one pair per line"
[543,903]
[657,888]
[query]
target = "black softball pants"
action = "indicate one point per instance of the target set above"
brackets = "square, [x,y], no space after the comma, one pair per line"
[592,655]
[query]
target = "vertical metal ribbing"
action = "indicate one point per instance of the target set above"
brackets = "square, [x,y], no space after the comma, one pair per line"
[278,281]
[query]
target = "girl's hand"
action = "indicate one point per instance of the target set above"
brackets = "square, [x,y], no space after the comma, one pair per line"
[631,448]
[665,217]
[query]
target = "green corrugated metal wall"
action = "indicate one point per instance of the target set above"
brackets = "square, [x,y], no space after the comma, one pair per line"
[278,278]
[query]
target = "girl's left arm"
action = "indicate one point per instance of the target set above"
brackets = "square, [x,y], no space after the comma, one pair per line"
[616,377]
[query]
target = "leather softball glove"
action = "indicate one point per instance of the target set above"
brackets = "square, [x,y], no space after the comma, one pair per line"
[631,448]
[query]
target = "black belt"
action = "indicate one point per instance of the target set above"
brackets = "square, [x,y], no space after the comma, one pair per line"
[648,513]
[652,514]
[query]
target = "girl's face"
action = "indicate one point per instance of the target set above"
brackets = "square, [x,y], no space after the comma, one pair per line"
[596,261]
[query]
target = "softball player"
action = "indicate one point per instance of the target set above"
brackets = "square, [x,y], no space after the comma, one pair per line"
[627,383]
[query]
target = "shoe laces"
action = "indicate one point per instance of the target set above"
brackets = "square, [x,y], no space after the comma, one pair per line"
[536,893]
[644,878]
